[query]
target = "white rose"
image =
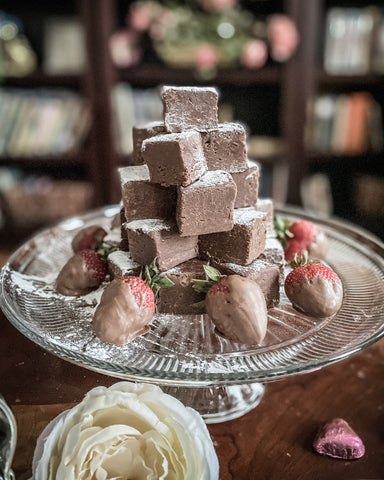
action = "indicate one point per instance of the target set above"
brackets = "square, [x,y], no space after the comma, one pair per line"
[128,431]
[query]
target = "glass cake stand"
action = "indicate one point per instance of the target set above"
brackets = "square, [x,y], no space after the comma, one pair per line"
[183,353]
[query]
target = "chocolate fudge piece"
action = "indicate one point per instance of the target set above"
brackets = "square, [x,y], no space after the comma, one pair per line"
[266,205]
[143,199]
[120,263]
[123,232]
[274,253]
[139,134]
[188,108]
[247,183]
[154,238]
[242,245]
[225,148]
[180,298]
[265,273]
[206,206]
[175,158]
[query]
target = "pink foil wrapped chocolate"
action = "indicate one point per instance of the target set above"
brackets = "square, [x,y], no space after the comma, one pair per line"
[338,440]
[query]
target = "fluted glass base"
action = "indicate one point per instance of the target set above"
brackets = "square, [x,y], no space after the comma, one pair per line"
[220,403]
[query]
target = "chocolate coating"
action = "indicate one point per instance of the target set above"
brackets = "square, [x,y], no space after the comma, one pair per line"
[118,319]
[240,313]
[75,278]
[315,296]
[263,272]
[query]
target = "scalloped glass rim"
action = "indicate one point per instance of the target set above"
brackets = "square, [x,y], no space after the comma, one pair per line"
[351,248]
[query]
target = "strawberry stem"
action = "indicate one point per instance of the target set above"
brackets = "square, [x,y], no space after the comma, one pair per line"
[152,277]
[282,230]
[300,260]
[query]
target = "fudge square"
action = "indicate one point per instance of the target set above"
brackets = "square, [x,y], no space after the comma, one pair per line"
[182,296]
[120,263]
[175,158]
[247,183]
[139,134]
[206,206]
[143,199]
[266,205]
[160,239]
[225,148]
[263,272]
[186,108]
[242,245]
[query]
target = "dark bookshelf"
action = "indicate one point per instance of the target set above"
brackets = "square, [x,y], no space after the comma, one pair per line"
[291,86]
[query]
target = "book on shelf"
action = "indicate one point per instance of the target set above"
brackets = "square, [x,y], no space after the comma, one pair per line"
[133,107]
[64,46]
[354,41]
[345,124]
[42,122]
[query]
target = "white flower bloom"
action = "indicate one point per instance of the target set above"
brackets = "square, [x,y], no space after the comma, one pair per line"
[127,431]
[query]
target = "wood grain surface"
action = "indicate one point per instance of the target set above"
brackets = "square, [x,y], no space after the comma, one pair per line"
[272,442]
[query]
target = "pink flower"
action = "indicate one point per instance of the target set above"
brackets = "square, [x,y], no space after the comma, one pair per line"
[206,57]
[283,37]
[124,48]
[140,16]
[217,5]
[161,23]
[254,54]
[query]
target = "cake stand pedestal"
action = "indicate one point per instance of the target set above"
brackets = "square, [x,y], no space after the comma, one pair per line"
[219,403]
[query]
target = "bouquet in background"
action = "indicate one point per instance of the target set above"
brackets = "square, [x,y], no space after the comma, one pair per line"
[204,35]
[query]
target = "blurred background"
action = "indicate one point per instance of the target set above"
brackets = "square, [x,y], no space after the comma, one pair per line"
[304,77]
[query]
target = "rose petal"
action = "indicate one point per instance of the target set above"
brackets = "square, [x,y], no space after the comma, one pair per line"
[126,431]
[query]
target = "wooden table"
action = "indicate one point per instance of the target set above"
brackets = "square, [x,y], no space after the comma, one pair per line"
[273,441]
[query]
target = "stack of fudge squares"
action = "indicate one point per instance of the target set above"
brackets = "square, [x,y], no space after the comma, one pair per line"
[190,198]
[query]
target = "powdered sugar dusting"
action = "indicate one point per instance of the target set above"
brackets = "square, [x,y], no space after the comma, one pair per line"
[244,270]
[172,137]
[149,225]
[212,178]
[247,216]
[166,89]
[134,173]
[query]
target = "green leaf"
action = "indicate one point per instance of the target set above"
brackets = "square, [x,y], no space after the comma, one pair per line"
[164,282]
[202,285]
[199,305]
[213,273]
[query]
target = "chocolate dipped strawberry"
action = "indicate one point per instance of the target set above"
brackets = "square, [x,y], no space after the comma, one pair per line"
[88,238]
[299,236]
[313,288]
[127,306]
[236,306]
[82,273]
[125,309]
